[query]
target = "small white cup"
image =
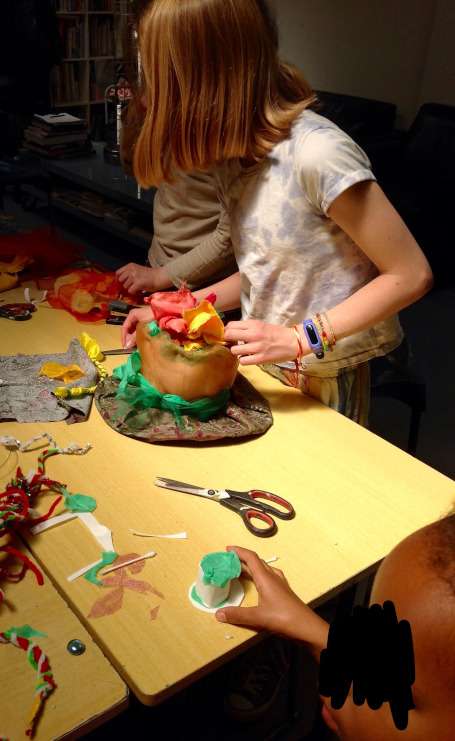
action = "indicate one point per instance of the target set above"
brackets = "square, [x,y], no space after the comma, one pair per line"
[211,595]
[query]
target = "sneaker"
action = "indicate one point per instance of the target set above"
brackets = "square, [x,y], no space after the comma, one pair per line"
[256,680]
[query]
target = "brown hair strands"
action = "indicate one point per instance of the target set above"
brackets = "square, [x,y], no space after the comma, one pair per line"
[214,86]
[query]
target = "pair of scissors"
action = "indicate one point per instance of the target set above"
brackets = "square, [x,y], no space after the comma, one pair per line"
[248,504]
[17,312]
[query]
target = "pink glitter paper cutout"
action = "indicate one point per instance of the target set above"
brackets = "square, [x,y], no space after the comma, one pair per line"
[112,602]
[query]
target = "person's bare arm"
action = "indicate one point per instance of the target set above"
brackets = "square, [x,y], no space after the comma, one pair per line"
[279,610]
[227,293]
[369,218]
[366,215]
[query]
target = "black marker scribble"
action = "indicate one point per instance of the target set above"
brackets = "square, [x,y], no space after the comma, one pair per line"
[374,652]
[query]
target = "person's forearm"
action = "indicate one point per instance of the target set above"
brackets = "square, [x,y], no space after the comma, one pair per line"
[383,297]
[163,280]
[310,629]
[257,342]
[212,255]
[227,293]
[369,219]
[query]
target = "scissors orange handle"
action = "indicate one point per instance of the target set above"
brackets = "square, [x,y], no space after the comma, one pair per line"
[248,514]
[254,498]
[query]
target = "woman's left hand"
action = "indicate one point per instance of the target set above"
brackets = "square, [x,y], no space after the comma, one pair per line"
[258,342]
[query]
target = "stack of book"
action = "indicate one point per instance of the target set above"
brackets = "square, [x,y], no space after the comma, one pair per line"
[58,135]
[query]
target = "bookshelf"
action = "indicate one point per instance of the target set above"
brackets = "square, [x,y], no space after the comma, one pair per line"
[91,33]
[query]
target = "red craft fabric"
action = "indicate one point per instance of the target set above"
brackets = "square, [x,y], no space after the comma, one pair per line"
[99,288]
[173,325]
[168,308]
[171,303]
[50,252]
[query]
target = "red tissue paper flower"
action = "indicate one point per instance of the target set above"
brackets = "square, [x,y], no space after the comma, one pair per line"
[169,306]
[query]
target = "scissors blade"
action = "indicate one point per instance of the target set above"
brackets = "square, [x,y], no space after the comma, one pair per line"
[122,351]
[180,486]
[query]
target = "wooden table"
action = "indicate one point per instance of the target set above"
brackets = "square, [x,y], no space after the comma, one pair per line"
[73,707]
[356,497]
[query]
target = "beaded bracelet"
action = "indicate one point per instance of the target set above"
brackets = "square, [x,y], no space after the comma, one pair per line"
[300,354]
[328,339]
[332,338]
[322,333]
[301,351]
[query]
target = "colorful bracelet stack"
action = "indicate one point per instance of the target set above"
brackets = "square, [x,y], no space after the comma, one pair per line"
[326,332]
[320,335]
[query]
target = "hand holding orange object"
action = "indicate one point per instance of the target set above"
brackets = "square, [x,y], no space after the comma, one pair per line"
[132,320]
[259,342]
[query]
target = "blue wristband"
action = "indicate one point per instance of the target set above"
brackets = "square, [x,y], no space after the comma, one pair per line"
[313,337]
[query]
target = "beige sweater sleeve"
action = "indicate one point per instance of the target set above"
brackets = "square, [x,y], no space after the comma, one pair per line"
[192,231]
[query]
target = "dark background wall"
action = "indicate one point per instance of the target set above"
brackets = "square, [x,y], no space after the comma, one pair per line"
[401,51]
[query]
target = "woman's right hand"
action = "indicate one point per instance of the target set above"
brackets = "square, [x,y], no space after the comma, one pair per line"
[144,314]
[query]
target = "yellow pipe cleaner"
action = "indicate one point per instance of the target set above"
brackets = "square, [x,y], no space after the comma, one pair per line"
[93,351]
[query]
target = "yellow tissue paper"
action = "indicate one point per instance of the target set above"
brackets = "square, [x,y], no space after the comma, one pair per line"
[93,351]
[91,347]
[204,322]
[65,373]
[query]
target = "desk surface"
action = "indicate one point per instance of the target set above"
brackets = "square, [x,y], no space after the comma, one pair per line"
[356,497]
[73,705]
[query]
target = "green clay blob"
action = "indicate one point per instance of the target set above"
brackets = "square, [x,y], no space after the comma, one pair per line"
[78,502]
[25,631]
[154,329]
[219,568]
[107,557]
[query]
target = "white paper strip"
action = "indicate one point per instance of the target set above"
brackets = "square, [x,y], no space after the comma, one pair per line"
[171,536]
[30,300]
[47,524]
[100,532]
[151,554]
[272,559]
[83,571]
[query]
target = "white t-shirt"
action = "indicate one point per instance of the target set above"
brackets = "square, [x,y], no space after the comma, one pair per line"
[295,261]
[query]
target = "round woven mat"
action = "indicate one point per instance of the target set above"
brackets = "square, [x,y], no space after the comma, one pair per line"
[247,413]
